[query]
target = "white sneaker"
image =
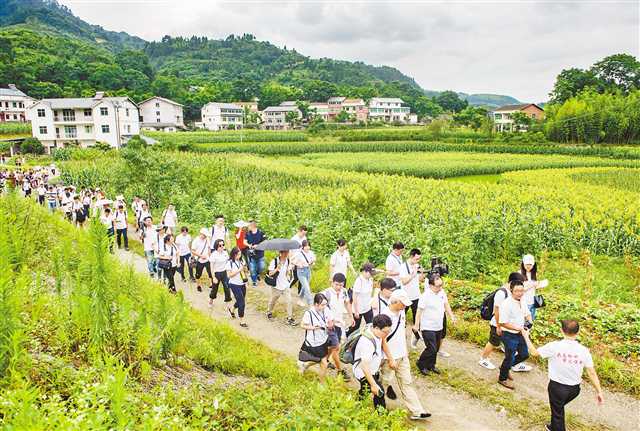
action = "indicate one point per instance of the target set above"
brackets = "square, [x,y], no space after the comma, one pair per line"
[301,303]
[521,368]
[487,364]
[302,367]
[502,348]
[444,354]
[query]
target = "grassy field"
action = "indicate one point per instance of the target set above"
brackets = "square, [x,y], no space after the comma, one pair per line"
[12,130]
[480,228]
[88,344]
[453,164]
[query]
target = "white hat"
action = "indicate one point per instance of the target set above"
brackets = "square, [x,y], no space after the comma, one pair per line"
[241,224]
[400,295]
[528,259]
[120,197]
[204,231]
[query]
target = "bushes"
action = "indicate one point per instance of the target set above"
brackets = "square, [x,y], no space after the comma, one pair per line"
[10,128]
[595,118]
[32,146]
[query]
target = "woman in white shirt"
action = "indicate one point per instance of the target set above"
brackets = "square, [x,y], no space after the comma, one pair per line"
[529,269]
[236,271]
[361,297]
[340,260]
[168,261]
[170,218]
[183,242]
[218,261]
[303,261]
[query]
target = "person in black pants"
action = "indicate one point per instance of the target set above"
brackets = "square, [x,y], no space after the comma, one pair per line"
[236,272]
[567,360]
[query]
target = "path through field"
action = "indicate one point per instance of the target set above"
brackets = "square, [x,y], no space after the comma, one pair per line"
[451,409]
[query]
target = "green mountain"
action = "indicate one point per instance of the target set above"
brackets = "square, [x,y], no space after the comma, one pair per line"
[48,52]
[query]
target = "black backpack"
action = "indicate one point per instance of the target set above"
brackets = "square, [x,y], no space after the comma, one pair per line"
[271,280]
[486,309]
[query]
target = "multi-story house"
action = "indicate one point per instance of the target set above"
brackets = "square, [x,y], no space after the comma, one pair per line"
[388,109]
[275,117]
[335,105]
[319,110]
[14,104]
[84,121]
[502,117]
[222,116]
[158,113]
[251,106]
[356,108]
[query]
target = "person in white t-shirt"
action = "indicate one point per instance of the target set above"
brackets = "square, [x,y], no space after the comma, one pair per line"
[411,275]
[513,313]
[42,191]
[529,269]
[396,366]
[120,218]
[340,260]
[150,242]
[315,347]
[201,250]
[218,261]
[78,212]
[304,260]
[219,231]
[143,213]
[361,298]
[394,262]
[237,273]
[380,300]
[368,355]
[300,236]
[170,218]
[281,268]
[107,220]
[338,306]
[183,242]
[168,260]
[495,332]
[432,306]
[567,360]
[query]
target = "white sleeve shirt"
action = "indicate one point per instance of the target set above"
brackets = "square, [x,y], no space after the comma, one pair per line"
[369,350]
[413,287]
[513,312]
[393,264]
[567,359]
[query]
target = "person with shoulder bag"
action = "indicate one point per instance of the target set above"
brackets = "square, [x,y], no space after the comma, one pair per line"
[236,271]
[168,261]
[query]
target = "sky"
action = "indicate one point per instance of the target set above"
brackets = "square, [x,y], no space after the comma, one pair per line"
[513,47]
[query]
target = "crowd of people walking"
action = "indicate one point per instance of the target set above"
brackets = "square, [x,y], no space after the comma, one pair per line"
[369,325]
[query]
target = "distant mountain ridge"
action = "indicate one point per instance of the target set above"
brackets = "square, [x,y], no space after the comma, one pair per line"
[88,57]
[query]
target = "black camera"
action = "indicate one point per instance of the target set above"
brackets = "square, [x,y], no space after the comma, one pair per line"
[438,267]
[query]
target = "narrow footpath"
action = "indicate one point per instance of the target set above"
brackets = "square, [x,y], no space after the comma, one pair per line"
[451,409]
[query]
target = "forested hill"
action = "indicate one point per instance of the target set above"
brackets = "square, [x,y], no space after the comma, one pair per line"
[48,52]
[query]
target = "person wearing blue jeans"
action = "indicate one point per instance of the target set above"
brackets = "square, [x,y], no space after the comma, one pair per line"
[152,263]
[303,262]
[252,238]
[513,313]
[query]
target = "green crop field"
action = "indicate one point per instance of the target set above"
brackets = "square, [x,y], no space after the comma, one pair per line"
[452,164]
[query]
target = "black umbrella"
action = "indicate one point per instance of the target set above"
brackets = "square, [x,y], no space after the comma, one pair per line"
[278,244]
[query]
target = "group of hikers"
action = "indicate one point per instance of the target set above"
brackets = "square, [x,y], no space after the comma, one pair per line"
[369,324]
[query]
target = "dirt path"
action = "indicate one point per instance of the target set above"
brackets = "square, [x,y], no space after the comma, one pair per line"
[452,410]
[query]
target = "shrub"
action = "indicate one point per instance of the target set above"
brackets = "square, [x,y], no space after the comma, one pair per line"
[32,146]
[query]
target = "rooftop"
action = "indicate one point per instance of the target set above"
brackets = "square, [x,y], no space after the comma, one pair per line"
[281,109]
[81,102]
[161,98]
[517,107]
[223,105]
[11,91]
[387,100]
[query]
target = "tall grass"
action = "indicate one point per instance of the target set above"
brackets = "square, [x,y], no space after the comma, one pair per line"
[11,128]
[178,138]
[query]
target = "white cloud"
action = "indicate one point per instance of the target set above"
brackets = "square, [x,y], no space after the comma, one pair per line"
[514,48]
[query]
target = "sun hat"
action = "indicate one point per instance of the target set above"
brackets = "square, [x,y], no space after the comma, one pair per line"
[528,259]
[204,231]
[241,224]
[399,295]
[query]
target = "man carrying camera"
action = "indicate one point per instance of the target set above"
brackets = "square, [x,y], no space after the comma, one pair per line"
[513,316]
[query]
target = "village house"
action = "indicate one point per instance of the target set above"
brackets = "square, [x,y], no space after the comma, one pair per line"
[275,117]
[222,116]
[251,106]
[14,104]
[84,121]
[356,108]
[388,110]
[502,117]
[335,105]
[319,110]
[158,113]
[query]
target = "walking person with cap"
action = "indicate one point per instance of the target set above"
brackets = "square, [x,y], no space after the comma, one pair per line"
[394,263]
[396,365]
[200,249]
[361,300]
[529,270]
[567,360]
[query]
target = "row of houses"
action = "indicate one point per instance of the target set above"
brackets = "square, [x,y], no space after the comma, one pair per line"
[114,120]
